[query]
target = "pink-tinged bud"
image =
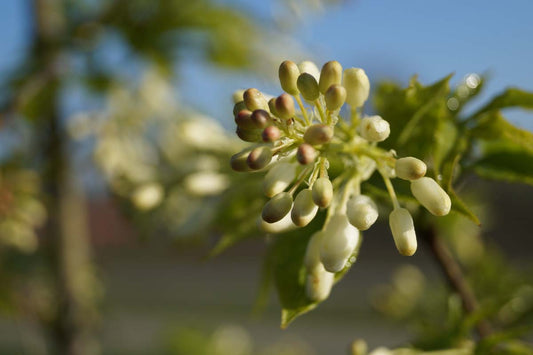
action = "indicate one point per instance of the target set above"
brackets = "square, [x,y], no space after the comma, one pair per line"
[277,208]
[306,154]
[288,75]
[430,195]
[260,118]
[243,119]
[259,158]
[285,106]
[403,231]
[238,161]
[248,135]
[318,134]
[339,242]
[254,100]
[330,74]
[271,134]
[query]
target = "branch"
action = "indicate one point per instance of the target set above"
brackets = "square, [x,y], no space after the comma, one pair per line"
[455,277]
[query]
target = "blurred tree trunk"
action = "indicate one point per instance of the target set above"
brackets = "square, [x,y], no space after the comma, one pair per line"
[66,235]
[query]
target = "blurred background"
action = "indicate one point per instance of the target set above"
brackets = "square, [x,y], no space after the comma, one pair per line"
[112,111]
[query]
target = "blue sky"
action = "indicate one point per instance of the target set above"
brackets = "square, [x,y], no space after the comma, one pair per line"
[388,38]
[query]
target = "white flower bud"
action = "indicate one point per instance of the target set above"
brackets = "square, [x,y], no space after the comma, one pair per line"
[410,168]
[374,129]
[362,212]
[357,86]
[288,74]
[304,209]
[310,68]
[330,74]
[278,178]
[312,253]
[322,192]
[318,284]
[335,96]
[318,134]
[283,225]
[403,231]
[339,241]
[430,195]
[277,208]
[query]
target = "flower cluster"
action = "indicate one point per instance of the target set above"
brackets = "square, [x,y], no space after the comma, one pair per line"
[295,137]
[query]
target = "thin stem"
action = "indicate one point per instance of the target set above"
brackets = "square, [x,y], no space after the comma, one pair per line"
[320,111]
[300,179]
[452,270]
[390,189]
[302,108]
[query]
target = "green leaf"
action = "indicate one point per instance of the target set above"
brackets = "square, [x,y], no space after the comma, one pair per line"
[508,164]
[459,206]
[512,97]
[493,126]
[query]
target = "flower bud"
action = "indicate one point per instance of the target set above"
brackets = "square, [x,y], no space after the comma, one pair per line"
[243,119]
[271,134]
[312,253]
[308,86]
[304,209]
[306,154]
[335,97]
[339,241]
[285,106]
[277,208]
[237,96]
[322,192]
[362,212]
[358,347]
[278,178]
[403,231]
[430,195]
[309,67]
[410,168]
[374,129]
[238,161]
[318,134]
[259,158]
[272,106]
[330,74]
[283,225]
[238,107]
[248,135]
[318,284]
[254,100]
[288,75]
[357,86]
[260,118]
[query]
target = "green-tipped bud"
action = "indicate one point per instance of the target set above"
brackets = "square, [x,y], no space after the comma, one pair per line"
[304,209]
[260,118]
[238,96]
[357,86]
[238,161]
[272,106]
[248,135]
[330,74]
[243,119]
[318,284]
[283,225]
[306,154]
[309,67]
[318,134]
[430,195]
[277,208]
[322,192]
[271,134]
[308,86]
[285,106]
[410,168]
[374,129]
[238,107]
[254,100]
[339,242]
[288,75]
[403,231]
[362,212]
[278,178]
[259,158]
[335,97]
